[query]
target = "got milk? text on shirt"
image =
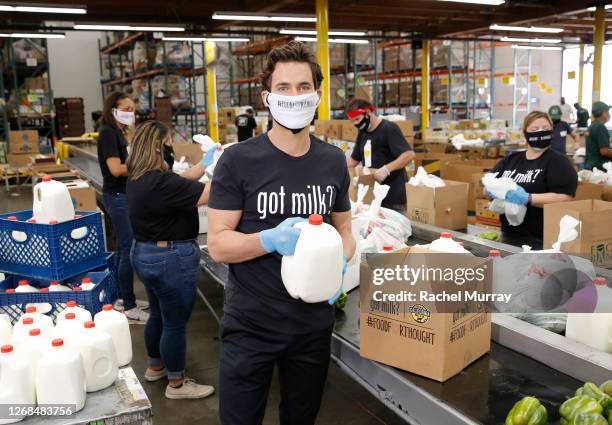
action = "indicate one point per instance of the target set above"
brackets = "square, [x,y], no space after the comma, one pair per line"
[315,199]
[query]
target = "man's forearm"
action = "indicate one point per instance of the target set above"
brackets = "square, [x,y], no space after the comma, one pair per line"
[230,246]
[401,161]
[348,244]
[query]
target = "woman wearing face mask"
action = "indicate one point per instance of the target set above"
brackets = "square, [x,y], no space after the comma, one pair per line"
[543,177]
[117,116]
[165,254]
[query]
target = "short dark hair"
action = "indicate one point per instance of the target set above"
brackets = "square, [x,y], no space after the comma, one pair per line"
[249,111]
[110,103]
[357,103]
[294,51]
[576,105]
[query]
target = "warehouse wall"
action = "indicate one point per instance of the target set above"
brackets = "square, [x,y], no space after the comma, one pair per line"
[546,65]
[75,70]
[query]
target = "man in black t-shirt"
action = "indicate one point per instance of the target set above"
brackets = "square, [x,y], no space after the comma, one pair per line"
[246,125]
[260,189]
[582,116]
[561,130]
[380,144]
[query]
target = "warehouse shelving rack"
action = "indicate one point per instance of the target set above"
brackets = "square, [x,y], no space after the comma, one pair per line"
[186,120]
[14,75]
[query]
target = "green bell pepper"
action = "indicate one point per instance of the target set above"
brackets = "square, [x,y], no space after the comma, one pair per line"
[341,302]
[579,404]
[591,390]
[589,419]
[527,411]
[606,387]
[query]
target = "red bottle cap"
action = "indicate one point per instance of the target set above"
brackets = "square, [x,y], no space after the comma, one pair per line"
[46,178]
[77,288]
[31,309]
[53,222]
[70,316]
[27,321]
[90,324]
[71,304]
[23,282]
[31,220]
[54,283]
[34,332]
[6,349]
[12,218]
[387,248]
[10,291]
[78,216]
[446,235]
[600,281]
[107,307]
[86,280]
[494,253]
[44,289]
[315,219]
[57,342]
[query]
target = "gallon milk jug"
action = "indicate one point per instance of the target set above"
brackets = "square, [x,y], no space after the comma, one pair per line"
[99,357]
[16,381]
[21,330]
[33,347]
[6,330]
[43,322]
[52,202]
[68,329]
[593,329]
[61,364]
[24,286]
[81,314]
[446,244]
[57,287]
[116,325]
[87,284]
[314,273]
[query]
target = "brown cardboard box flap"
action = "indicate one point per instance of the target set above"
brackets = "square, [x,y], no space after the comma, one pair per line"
[589,191]
[443,207]
[191,151]
[358,177]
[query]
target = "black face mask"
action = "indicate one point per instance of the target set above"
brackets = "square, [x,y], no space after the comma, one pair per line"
[364,124]
[169,156]
[539,139]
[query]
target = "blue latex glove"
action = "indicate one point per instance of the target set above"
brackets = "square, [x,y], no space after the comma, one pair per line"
[518,196]
[208,159]
[282,238]
[333,299]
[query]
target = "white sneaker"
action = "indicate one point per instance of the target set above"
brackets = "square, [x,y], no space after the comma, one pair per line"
[143,305]
[189,390]
[136,316]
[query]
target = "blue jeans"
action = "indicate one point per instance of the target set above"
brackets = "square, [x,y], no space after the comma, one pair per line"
[170,277]
[116,205]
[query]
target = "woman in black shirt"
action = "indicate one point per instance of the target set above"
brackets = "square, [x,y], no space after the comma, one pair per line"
[117,116]
[543,177]
[165,254]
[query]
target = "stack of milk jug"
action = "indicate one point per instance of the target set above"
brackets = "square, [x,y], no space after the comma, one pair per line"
[79,354]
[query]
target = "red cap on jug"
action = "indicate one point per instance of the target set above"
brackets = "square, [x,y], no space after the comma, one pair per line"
[6,349]
[78,216]
[77,288]
[387,248]
[53,222]
[31,309]
[47,178]
[10,291]
[86,280]
[446,235]
[90,325]
[70,316]
[494,253]
[34,332]
[107,307]
[44,289]
[23,282]
[53,283]
[71,304]
[315,219]
[31,220]
[57,342]
[27,321]
[600,281]
[12,218]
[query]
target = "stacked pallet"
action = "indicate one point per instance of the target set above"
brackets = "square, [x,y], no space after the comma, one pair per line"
[70,115]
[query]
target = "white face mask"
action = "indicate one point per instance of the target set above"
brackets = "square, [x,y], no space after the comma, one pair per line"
[123,117]
[293,112]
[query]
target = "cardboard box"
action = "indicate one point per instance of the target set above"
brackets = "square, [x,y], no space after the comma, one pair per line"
[432,162]
[594,233]
[406,127]
[40,170]
[589,191]
[415,336]
[485,216]
[321,127]
[83,196]
[358,177]
[334,129]
[463,171]
[444,207]
[477,188]
[191,151]
[349,131]
[607,193]
[19,159]
[24,141]
[438,147]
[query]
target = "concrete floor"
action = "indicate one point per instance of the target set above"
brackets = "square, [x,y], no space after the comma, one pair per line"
[344,401]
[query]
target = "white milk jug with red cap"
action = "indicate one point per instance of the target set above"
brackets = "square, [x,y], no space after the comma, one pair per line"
[24,287]
[69,329]
[52,202]
[16,381]
[81,314]
[43,322]
[57,287]
[21,330]
[445,243]
[87,284]
[6,330]
[32,348]
[116,325]
[314,272]
[99,357]
[61,364]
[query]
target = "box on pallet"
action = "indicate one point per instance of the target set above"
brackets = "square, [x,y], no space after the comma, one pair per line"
[421,337]
[19,159]
[82,195]
[594,233]
[444,207]
[486,216]
[589,191]
[23,141]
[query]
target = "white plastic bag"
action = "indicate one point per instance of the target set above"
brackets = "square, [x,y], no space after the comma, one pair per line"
[567,231]
[179,166]
[380,193]
[459,142]
[499,188]
[421,178]
[362,191]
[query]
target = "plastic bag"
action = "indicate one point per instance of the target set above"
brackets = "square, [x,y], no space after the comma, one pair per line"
[459,142]
[567,231]
[499,188]
[179,166]
[421,178]
[380,193]
[362,191]
[378,239]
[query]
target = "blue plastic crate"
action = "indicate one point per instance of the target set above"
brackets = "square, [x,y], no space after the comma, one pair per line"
[51,251]
[51,303]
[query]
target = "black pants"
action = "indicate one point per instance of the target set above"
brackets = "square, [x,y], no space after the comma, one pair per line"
[248,357]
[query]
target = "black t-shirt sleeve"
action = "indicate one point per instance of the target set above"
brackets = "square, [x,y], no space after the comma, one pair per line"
[562,177]
[225,192]
[343,202]
[252,123]
[109,143]
[356,154]
[180,193]
[396,140]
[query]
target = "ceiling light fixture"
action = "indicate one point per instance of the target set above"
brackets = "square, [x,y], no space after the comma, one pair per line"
[516,46]
[218,39]
[104,27]
[592,9]
[482,2]
[39,35]
[496,27]
[43,9]
[229,16]
[531,40]
[335,40]
[314,32]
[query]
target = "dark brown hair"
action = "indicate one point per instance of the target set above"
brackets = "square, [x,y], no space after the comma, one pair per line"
[294,51]
[109,104]
[534,115]
[357,103]
[147,148]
